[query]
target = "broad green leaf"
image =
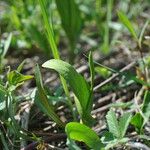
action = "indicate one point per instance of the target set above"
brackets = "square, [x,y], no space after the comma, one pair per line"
[137,121]
[14,77]
[124,123]
[146,105]
[124,19]
[42,101]
[78,84]
[82,133]
[70,18]
[113,123]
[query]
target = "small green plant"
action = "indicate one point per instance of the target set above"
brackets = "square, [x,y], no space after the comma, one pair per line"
[8,107]
[115,136]
[143,114]
[81,89]
[42,101]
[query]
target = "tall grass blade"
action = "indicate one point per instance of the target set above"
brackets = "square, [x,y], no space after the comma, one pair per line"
[106,44]
[7,44]
[49,29]
[126,22]
[142,32]
[146,105]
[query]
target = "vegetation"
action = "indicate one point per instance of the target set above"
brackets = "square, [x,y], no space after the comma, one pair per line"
[93,92]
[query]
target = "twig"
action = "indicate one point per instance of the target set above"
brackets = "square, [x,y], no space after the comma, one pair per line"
[138,145]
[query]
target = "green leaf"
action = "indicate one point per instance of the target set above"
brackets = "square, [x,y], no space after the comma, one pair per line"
[7,44]
[82,133]
[142,117]
[105,73]
[137,121]
[42,101]
[113,123]
[142,32]
[92,71]
[14,77]
[146,105]
[70,18]
[124,123]
[20,67]
[78,84]
[49,29]
[124,19]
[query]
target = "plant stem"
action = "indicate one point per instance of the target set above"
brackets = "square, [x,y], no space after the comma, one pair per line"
[142,58]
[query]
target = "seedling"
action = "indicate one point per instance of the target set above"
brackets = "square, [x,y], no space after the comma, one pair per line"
[81,89]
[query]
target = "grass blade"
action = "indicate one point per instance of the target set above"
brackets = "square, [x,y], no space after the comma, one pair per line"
[146,105]
[49,29]
[142,33]
[123,18]
[106,44]
[7,44]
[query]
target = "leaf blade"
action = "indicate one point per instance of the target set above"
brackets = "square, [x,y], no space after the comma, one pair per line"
[113,123]
[124,122]
[78,84]
[42,101]
[123,18]
[81,132]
